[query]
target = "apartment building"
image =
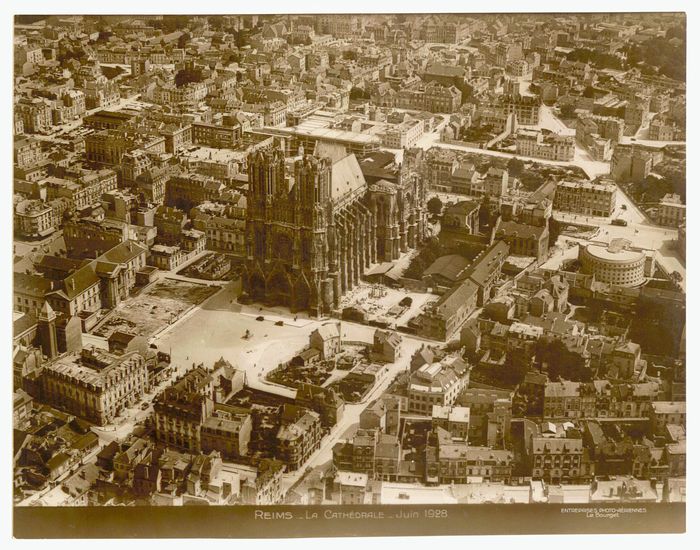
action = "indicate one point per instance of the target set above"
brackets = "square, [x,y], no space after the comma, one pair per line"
[556,458]
[403,135]
[671,211]
[586,197]
[436,384]
[297,440]
[544,145]
[94,384]
[664,413]
[34,219]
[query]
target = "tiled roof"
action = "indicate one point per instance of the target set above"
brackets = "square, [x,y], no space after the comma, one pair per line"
[123,252]
[484,266]
[451,266]
[34,285]
[456,298]
[80,281]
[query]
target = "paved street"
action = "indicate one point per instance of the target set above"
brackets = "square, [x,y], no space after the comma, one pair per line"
[216,328]
[72,125]
[351,415]
[581,158]
[49,245]
[53,494]
[640,230]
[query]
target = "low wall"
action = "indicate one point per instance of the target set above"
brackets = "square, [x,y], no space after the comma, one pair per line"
[464,143]
[414,285]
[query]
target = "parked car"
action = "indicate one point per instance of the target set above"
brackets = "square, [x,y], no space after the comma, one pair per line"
[260,318]
[619,221]
[279,323]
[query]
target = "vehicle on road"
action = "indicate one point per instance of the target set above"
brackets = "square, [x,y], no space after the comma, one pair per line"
[260,318]
[279,323]
[619,221]
[624,207]
[144,406]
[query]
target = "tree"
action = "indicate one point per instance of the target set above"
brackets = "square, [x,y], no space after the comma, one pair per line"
[358,93]
[568,110]
[485,212]
[185,76]
[515,167]
[183,40]
[112,72]
[668,55]
[520,405]
[172,23]
[215,23]
[435,206]
[589,92]
[554,231]
[561,363]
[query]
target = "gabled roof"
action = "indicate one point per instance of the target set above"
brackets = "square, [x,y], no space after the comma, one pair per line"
[23,323]
[522,230]
[483,267]
[34,285]
[328,331]
[444,70]
[451,267]
[78,282]
[346,177]
[456,298]
[123,252]
[391,338]
[106,268]
[59,263]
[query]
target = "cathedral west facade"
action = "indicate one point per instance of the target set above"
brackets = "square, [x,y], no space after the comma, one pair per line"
[314,226]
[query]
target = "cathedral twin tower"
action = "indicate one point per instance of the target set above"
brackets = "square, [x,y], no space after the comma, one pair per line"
[313,227]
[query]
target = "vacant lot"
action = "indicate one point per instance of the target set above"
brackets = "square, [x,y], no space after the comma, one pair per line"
[383,302]
[160,305]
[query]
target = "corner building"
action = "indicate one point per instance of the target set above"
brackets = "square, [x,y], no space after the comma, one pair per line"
[312,231]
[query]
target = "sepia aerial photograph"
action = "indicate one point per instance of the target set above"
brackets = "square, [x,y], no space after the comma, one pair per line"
[424,262]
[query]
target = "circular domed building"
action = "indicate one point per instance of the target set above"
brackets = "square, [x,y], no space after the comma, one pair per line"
[614,264]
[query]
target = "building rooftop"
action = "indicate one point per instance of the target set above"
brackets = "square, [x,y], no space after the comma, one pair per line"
[614,252]
[588,186]
[75,367]
[451,267]
[409,493]
[668,407]
[352,479]
[212,154]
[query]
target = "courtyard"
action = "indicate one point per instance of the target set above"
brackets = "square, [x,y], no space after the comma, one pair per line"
[382,303]
[154,308]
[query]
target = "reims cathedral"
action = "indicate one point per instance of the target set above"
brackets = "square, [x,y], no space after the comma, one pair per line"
[314,225]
